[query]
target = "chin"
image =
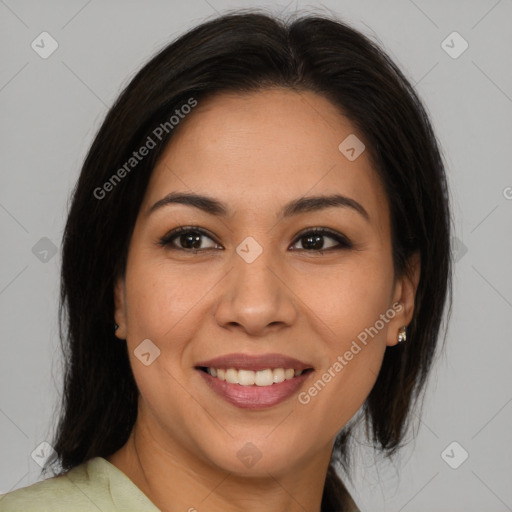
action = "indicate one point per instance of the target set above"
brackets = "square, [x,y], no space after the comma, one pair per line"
[255,459]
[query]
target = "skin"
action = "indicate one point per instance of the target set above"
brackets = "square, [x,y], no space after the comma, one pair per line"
[254,152]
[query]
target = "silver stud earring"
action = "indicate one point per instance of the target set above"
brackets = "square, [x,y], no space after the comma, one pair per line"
[402,334]
[116,327]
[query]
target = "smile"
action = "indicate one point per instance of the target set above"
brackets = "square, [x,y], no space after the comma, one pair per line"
[254,396]
[254,381]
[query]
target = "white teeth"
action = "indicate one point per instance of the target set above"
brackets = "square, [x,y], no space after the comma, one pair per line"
[246,377]
[231,376]
[278,375]
[265,377]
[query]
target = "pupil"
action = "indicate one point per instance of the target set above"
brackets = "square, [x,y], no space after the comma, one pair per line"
[194,239]
[314,241]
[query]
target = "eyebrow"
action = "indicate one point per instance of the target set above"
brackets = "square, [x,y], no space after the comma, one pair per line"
[297,206]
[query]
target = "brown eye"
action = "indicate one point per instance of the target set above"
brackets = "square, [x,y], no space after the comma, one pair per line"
[313,240]
[187,239]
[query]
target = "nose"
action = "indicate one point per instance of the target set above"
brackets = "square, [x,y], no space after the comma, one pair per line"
[256,297]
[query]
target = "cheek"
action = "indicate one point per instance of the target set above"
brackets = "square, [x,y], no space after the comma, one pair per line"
[341,387]
[160,308]
[162,300]
[351,307]
[352,299]
[166,306]
[362,323]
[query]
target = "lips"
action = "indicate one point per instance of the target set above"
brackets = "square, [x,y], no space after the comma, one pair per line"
[255,396]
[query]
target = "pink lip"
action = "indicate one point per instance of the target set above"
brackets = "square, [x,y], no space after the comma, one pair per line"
[247,362]
[254,397]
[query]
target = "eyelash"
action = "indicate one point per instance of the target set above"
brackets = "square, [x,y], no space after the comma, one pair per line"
[343,241]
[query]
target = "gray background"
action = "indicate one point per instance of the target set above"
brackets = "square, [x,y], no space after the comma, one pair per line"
[51,109]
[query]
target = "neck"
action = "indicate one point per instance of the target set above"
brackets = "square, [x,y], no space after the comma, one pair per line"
[175,479]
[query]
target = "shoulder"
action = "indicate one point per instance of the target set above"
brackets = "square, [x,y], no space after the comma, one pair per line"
[93,485]
[78,490]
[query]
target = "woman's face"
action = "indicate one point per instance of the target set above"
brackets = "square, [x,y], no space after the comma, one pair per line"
[252,286]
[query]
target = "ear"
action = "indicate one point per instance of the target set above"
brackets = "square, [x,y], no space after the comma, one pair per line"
[404,294]
[120,308]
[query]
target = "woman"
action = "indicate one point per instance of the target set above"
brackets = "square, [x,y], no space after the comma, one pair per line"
[256,258]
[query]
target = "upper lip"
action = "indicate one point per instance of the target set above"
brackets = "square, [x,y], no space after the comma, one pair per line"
[241,361]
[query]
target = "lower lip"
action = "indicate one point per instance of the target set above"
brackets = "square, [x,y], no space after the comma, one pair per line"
[255,397]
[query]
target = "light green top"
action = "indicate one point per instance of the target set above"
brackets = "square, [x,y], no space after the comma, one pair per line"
[96,485]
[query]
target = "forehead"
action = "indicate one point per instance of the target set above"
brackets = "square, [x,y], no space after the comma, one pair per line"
[253,149]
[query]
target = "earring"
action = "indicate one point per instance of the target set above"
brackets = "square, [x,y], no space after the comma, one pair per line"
[402,334]
[116,327]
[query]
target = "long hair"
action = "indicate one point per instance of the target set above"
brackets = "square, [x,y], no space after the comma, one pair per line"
[247,52]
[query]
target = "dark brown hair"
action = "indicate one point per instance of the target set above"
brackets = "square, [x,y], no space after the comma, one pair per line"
[242,52]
